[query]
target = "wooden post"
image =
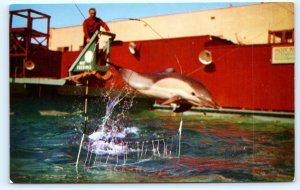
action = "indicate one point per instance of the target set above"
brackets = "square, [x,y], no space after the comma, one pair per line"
[48,31]
[10,20]
[40,90]
[283,37]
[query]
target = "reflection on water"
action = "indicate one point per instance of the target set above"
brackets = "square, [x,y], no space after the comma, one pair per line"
[45,134]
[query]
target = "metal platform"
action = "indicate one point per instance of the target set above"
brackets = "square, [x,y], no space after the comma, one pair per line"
[44,81]
[235,111]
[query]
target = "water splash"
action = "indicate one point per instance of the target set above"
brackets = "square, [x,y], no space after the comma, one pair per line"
[114,125]
[109,136]
[115,142]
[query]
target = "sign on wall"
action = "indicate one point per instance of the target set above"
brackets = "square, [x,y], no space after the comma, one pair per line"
[283,55]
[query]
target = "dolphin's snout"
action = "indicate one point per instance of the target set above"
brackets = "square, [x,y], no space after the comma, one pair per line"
[205,102]
[211,104]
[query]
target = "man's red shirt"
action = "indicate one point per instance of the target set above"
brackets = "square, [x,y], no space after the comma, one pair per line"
[90,25]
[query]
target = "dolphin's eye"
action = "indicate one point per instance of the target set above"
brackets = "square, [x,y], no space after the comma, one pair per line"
[193,93]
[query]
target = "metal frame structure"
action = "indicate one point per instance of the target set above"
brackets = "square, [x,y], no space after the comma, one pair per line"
[22,38]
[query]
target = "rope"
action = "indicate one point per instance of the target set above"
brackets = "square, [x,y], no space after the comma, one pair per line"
[179,134]
[147,24]
[85,123]
[79,10]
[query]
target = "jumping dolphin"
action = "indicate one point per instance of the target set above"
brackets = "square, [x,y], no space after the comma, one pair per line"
[173,88]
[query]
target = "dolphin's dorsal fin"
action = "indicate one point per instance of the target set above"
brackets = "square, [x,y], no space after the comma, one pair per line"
[170,70]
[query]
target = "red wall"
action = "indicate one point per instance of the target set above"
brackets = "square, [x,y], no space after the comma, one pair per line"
[246,78]
[240,76]
[67,60]
[47,64]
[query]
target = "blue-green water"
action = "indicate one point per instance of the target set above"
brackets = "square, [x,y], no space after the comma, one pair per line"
[45,134]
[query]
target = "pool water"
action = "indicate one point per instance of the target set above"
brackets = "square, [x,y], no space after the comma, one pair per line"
[45,135]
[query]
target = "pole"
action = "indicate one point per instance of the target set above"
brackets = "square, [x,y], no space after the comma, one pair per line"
[85,122]
[179,136]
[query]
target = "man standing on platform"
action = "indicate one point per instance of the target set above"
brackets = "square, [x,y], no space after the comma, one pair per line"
[91,25]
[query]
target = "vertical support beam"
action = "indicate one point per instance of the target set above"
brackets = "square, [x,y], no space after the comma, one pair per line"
[283,37]
[27,40]
[40,90]
[29,28]
[28,33]
[29,21]
[48,32]
[10,20]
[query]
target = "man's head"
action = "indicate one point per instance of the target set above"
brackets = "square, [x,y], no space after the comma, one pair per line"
[92,12]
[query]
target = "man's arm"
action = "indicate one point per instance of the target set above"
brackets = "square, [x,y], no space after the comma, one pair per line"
[104,25]
[85,31]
